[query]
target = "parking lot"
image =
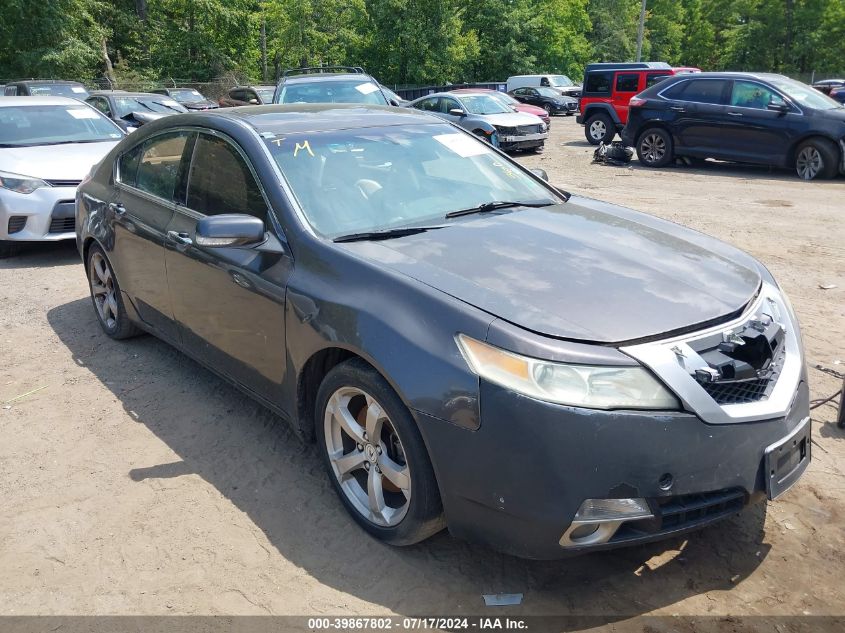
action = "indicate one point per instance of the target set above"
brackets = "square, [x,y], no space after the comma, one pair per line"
[134,481]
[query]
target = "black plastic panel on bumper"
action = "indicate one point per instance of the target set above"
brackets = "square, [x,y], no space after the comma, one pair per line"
[517,482]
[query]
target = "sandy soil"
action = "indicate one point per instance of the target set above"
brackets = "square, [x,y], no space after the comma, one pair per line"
[134,481]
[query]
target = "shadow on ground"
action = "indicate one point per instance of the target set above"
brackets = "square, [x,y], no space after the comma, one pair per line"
[256,462]
[40,254]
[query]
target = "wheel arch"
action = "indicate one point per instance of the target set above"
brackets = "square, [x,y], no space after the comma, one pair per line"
[600,108]
[793,148]
[656,124]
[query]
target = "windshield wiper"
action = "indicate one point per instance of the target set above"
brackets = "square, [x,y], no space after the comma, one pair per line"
[493,206]
[386,234]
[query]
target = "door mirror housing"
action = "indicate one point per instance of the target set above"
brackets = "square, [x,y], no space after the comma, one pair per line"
[779,106]
[254,102]
[540,173]
[457,112]
[235,229]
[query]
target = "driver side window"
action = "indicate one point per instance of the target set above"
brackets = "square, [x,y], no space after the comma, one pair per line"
[747,94]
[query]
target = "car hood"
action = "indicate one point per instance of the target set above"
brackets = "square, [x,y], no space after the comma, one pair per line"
[837,114]
[510,119]
[206,103]
[54,162]
[582,270]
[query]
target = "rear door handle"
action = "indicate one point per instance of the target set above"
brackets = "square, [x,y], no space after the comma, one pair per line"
[117,208]
[734,113]
[677,108]
[180,239]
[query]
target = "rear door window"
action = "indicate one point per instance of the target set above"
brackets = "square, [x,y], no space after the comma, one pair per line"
[627,82]
[598,83]
[221,181]
[710,91]
[652,79]
[158,169]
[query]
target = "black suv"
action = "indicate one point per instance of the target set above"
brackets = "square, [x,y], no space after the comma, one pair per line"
[330,84]
[745,117]
[45,88]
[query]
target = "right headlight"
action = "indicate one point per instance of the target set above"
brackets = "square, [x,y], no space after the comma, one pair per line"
[590,386]
[20,184]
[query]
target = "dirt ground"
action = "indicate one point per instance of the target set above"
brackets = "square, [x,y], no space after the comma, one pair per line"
[134,481]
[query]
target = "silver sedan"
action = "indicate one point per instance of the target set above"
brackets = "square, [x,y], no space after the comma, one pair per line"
[47,146]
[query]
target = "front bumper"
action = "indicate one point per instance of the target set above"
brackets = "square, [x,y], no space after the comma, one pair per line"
[517,482]
[45,215]
[509,141]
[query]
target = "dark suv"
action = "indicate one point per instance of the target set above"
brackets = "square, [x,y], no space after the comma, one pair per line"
[745,117]
[330,84]
[607,89]
[45,88]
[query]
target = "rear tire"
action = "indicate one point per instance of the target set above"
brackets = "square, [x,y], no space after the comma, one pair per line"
[106,296]
[816,158]
[385,482]
[547,108]
[599,129]
[654,147]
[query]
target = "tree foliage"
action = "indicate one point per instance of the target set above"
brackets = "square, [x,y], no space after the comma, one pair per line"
[409,41]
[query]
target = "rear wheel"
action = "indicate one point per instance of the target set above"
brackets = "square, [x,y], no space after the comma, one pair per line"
[547,108]
[599,129]
[816,158]
[106,296]
[375,456]
[654,148]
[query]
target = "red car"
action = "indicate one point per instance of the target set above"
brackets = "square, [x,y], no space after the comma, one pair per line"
[609,87]
[513,103]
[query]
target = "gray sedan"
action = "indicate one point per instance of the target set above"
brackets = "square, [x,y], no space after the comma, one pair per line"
[487,117]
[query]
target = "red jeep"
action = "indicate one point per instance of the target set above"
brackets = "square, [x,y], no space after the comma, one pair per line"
[608,88]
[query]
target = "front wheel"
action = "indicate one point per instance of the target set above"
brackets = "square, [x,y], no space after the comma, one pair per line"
[375,456]
[654,148]
[599,129]
[816,158]
[547,108]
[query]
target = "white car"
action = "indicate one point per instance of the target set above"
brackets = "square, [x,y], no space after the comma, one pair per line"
[47,146]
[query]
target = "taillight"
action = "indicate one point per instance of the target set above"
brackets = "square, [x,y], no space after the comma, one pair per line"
[636,102]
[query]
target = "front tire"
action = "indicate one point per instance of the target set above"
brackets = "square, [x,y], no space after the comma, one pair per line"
[816,158]
[654,147]
[8,248]
[375,456]
[106,296]
[599,129]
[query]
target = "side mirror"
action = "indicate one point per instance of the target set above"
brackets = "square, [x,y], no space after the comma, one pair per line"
[778,106]
[394,103]
[254,102]
[457,112]
[540,173]
[235,229]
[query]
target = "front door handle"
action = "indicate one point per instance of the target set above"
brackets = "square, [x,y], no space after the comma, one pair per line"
[734,113]
[182,240]
[117,208]
[677,108]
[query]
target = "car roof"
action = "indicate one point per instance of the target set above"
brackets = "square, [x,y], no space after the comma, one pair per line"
[121,93]
[36,101]
[45,81]
[464,91]
[320,77]
[603,66]
[728,75]
[320,117]
[254,87]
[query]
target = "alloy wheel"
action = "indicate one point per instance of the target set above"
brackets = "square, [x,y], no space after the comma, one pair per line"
[809,163]
[598,129]
[653,148]
[103,290]
[547,108]
[367,456]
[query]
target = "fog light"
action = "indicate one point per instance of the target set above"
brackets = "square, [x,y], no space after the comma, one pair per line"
[598,519]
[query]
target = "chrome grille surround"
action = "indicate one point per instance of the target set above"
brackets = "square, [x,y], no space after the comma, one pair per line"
[675,362]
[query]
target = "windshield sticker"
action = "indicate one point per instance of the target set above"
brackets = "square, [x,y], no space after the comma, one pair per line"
[83,113]
[78,89]
[461,144]
[114,135]
[366,88]
[508,171]
[305,145]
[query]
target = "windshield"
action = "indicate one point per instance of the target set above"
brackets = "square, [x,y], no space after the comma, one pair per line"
[266,94]
[483,104]
[805,95]
[374,179]
[159,103]
[58,90]
[548,92]
[186,95]
[340,91]
[24,126]
[505,98]
[560,81]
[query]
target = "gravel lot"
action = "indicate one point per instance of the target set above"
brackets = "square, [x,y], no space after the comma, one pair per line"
[134,481]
